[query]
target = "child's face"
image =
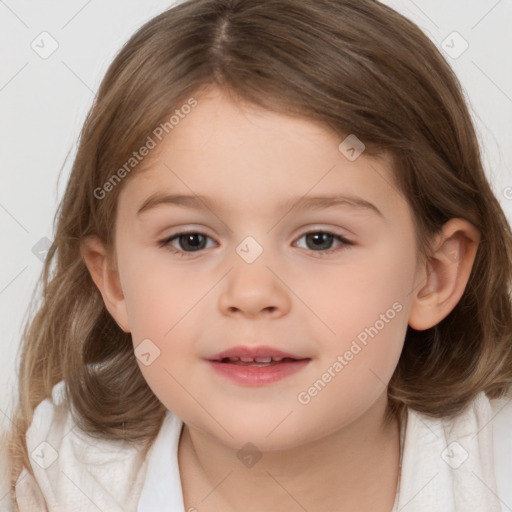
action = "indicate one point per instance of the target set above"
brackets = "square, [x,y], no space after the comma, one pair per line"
[345,311]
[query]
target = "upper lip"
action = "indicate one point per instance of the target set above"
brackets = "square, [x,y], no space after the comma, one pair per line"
[258,351]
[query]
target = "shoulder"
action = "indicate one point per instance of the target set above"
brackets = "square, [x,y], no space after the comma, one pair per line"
[502,409]
[497,419]
[502,445]
[75,470]
[462,460]
[481,414]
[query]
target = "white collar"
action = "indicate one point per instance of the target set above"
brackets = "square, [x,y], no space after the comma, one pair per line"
[445,466]
[448,464]
[162,486]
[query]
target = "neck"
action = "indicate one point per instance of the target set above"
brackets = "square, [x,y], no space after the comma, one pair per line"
[353,468]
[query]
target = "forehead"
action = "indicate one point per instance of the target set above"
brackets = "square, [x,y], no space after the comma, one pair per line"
[242,153]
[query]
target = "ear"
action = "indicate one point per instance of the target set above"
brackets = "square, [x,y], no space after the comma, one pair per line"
[445,274]
[106,278]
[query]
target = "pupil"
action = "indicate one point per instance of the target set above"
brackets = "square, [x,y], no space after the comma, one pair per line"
[192,241]
[320,240]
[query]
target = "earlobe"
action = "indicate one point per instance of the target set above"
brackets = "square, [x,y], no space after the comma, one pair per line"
[443,279]
[106,279]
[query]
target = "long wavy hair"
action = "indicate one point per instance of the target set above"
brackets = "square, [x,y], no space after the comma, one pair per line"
[356,66]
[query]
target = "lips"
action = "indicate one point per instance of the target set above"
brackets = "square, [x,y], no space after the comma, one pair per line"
[260,354]
[257,361]
[256,366]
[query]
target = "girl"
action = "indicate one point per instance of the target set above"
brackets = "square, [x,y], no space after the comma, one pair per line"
[280,279]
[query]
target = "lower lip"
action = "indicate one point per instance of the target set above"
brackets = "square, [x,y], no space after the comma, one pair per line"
[258,375]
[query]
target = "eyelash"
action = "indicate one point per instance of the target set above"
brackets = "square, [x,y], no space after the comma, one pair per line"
[346,244]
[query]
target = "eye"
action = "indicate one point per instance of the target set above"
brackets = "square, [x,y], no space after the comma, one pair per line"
[186,242]
[322,241]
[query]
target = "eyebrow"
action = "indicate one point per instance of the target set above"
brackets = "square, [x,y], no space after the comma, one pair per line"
[296,203]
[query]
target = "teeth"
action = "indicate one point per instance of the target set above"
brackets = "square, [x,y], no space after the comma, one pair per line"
[255,359]
[263,359]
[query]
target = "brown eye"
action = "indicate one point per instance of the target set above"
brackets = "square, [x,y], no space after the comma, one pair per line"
[186,242]
[192,241]
[320,240]
[323,241]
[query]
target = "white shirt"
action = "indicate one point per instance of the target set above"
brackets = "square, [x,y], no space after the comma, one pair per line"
[458,465]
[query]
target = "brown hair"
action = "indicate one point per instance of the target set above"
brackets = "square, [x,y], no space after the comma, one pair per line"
[356,66]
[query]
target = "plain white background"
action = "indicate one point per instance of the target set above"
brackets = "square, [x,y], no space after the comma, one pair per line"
[44,102]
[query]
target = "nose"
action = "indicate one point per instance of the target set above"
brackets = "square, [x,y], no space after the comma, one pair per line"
[252,290]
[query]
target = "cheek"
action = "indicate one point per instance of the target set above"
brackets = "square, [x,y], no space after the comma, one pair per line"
[364,308]
[162,305]
[158,294]
[369,289]
[354,371]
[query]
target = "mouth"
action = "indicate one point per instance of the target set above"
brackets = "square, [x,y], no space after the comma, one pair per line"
[257,361]
[261,354]
[256,366]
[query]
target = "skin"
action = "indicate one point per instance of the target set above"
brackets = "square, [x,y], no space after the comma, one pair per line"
[335,452]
